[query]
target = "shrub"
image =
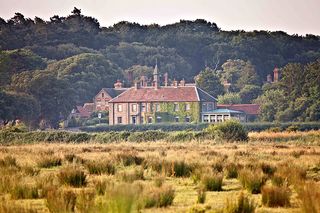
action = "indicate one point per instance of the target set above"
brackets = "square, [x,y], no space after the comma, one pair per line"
[181,136]
[201,195]
[100,186]
[158,197]
[24,191]
[277,180]
[150,135]
[292,128]
[61,200]
[85,201]
[309,194]
[181,169]
[252,181]
[72,176]
[128,159]
[275,196]
[231,170]
[136,174]
[119,199]
[217,166]
[229,131]
[242,205]
[212,182]
[267,169]
[100,167]
[8,161]
[49,161]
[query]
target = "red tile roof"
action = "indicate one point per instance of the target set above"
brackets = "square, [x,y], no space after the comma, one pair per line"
[250,109]
[163,94]
[83,112]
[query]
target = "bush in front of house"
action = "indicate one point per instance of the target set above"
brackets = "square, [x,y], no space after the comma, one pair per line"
[229,131]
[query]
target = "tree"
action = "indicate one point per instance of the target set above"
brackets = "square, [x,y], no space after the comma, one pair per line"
[209,82]
[272,102]
[249,93]
[229,98]
[239,73]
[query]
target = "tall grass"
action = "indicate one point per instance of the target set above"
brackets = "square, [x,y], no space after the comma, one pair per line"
[309,194]
[252,180]
[275,196]
[212,182]
[242,205]
[72,176]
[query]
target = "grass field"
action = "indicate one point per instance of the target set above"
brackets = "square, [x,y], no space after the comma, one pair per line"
[269,175]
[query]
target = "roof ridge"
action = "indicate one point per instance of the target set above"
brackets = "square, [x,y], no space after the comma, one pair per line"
[206,93]
[121,94]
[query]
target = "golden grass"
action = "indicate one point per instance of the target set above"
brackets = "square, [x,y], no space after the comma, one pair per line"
[141,160]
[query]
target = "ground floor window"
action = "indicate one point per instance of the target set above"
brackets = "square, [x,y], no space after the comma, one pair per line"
[149,120]
[187,119]
[159,119]
[133,119]
[119,120]
[176,119]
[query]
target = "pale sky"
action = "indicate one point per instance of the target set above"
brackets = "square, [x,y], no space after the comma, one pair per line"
[292,16]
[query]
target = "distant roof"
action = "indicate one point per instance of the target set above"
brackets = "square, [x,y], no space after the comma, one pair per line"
[226,111]
[250,109]
[113,92]
[83,112]
[163,94]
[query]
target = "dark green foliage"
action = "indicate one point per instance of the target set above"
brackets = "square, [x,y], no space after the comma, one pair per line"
[147,136]
[167,127]
[212,182]
[181,169]
[232,170]
[268,169]
[230,131]
[209,81]
[252,181]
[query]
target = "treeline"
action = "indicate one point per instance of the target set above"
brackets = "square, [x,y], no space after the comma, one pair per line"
[64,61]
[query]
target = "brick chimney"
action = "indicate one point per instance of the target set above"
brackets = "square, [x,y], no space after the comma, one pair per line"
[182,83]
[276,75]
[174,83]
[130,77]
[269,78]
[143,81]
[166,79]
[156,77]
[118,84]
[136,85]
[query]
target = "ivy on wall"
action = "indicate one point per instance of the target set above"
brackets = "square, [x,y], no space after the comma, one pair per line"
[168,114]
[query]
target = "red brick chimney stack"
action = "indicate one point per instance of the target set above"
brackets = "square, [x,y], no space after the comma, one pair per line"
[276,74]
[166,79]
[118,84]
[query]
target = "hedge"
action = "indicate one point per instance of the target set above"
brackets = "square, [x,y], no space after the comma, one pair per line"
[168,127]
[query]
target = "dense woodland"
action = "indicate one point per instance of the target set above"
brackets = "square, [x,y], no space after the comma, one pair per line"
[48,67]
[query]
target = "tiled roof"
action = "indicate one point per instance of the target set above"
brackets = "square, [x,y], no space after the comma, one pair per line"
[88,106]
[83,112]
[113,92]
[226,111]
[163,94]
[250,109]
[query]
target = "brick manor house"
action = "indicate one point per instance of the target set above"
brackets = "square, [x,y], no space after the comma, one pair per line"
[152,101]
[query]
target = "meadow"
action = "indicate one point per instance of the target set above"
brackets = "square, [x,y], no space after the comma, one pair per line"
[271,172]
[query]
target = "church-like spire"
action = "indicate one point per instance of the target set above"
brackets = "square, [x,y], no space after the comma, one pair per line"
[156,76]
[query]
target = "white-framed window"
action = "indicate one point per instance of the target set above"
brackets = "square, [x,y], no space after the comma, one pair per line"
[119,107]
[187,119]
[119,120]
[210,106]
[157,106]
[134,119]
[159,119]
[143,107]
[134,107]
[187,107]
[175,107]
[149,120]
[176,119]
